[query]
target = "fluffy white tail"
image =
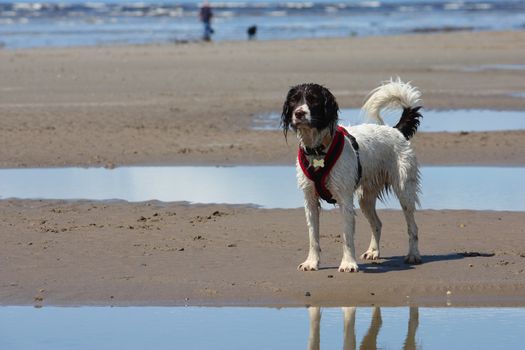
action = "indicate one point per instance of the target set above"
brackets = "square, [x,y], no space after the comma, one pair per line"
[391,95]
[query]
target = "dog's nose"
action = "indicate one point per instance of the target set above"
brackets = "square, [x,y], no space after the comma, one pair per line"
[299,114]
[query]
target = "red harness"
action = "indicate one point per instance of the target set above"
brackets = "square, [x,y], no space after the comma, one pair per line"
[320,174]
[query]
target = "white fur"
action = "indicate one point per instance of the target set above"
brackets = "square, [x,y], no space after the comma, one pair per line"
[369,340]
[392,94]
[307,115]
[386,158]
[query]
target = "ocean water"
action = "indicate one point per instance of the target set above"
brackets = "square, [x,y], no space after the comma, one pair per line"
[29,23]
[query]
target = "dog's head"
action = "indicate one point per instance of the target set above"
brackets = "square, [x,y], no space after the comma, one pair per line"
[309,106]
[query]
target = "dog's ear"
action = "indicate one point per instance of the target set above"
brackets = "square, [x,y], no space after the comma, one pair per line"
[286,115]
[331,108]
[286,118]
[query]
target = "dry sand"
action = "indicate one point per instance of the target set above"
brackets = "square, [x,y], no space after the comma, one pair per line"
[194,104]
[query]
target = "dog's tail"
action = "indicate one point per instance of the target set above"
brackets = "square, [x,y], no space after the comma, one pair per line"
[394,94]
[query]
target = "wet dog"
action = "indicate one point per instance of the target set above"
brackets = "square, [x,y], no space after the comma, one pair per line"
[368,160]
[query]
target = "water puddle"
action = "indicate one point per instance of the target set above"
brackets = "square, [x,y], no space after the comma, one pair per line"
[475,188]
[455,120]
[260,328]
[490,67]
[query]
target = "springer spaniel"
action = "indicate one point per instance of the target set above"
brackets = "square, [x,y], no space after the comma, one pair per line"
[370,160]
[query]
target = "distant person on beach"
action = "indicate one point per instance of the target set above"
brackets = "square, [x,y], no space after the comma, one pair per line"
[206,15]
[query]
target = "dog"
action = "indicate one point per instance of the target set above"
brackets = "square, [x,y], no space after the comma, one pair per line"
[369,161]
[251,32]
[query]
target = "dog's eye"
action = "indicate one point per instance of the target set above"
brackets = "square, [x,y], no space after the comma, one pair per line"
[312,100]
[294,99]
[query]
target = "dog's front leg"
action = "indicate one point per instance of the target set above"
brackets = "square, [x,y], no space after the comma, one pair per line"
[314,340]
[311,208]
[349,328]
[348,263]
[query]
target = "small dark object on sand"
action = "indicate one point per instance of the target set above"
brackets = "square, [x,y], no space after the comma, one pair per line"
[251,31]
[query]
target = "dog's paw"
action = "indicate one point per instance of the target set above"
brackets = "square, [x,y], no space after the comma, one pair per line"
[348,266]
[371,254]
[309,265]
[413,259]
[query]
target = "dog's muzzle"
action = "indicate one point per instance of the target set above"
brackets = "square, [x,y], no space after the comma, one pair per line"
[300,118]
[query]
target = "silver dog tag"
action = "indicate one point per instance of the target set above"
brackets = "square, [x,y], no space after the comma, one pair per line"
[318,163]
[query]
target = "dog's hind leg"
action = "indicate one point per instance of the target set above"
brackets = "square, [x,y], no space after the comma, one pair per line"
[368,207]
[348,263]
[311,208]
[413,256]
[407,199]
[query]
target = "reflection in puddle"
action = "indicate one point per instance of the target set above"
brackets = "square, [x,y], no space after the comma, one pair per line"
[260,328]
[433,120]
[476,188]
[370,339]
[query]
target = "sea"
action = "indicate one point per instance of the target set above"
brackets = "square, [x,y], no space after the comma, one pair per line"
[64,23]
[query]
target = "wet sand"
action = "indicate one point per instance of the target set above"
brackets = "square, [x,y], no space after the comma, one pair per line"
[102,253]
[194,104]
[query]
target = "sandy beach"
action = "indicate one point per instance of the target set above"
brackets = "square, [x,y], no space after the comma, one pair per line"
[71,253]
[195,104]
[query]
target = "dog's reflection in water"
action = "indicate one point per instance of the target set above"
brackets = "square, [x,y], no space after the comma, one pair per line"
[369,341]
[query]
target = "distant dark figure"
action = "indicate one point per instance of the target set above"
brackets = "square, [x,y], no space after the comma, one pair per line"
[251,31]
[206,15]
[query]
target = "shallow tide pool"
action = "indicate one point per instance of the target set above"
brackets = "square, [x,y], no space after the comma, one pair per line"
[455,187]
[433,120]
[232,328]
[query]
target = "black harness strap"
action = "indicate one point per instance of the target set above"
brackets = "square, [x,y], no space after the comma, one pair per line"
[355,146]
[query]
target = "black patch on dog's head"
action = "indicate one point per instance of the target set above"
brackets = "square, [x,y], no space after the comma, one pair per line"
[322,104]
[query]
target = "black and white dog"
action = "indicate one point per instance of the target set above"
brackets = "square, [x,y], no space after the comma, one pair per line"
[370,160]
